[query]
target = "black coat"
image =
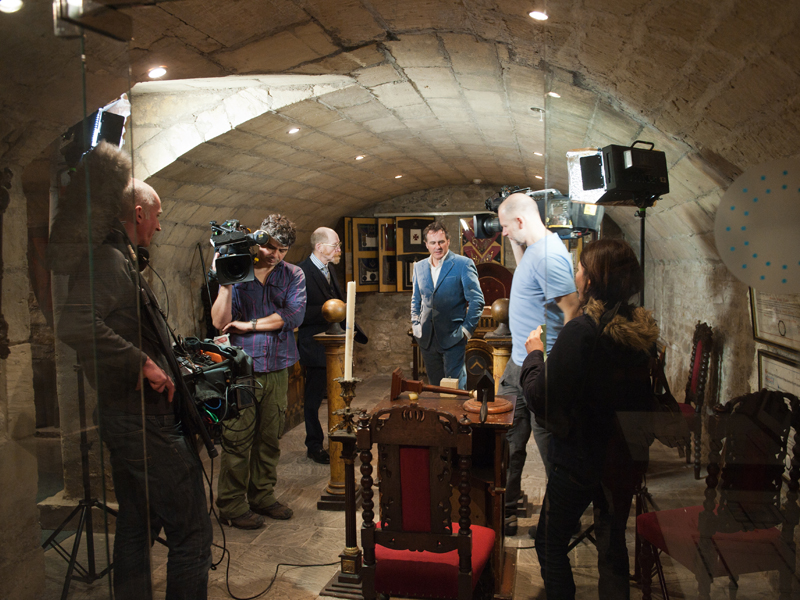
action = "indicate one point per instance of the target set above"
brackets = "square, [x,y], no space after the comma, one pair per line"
[593,392]
[318,291]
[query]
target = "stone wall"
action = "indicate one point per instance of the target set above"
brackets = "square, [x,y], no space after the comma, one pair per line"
[21,558]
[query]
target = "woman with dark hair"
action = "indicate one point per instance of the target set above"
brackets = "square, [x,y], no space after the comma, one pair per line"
[593,394]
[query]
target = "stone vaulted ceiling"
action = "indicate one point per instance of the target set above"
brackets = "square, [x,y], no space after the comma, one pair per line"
[442,92]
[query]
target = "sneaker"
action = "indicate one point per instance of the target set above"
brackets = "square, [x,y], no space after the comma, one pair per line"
[510,525]
[248,520]
[320,456]
[276,510]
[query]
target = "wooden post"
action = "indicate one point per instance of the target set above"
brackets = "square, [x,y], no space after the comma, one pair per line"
[333,496]
[501,353]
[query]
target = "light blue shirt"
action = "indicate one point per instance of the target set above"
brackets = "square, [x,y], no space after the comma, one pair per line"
[323,268]
[543,274]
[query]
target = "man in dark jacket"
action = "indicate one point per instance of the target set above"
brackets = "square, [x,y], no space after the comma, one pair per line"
[123,347]
[321,286]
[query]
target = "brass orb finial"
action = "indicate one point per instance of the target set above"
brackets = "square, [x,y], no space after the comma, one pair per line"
[334,310]
[500,316]
[500,310]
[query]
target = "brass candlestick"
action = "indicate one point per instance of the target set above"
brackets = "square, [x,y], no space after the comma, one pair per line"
[346,583]
[347,414]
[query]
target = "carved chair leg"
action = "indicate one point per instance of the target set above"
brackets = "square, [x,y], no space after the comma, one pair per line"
[688,452]
[696,437]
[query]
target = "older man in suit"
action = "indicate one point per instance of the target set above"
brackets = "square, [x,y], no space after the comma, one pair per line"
[321,286]
[445,307]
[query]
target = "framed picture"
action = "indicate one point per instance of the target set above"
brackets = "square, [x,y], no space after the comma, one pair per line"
[778,373]
[366,270]
[347,250]
[480,250]
[387,253]
[410,248]
[776,319]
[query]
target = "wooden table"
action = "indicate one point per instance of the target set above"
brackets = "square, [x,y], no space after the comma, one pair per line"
[489,464]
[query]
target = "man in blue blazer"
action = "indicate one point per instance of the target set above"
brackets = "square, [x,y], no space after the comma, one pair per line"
[445,307]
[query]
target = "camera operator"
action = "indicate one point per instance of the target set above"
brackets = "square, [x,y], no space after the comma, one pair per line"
[110,319]
[261,316]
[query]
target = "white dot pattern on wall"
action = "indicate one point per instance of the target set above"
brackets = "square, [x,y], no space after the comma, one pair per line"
[757,227]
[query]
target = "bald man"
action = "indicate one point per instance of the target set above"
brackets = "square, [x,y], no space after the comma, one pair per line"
[321,286]
[542,292]
[124,347]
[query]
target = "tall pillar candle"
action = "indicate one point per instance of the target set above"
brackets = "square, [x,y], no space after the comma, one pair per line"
[349,330]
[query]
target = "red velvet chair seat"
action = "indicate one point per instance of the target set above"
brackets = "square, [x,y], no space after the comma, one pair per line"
[427,574]
[687,410]
[675,532]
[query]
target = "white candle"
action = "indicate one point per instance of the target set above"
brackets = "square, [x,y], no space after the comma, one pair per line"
[349,330]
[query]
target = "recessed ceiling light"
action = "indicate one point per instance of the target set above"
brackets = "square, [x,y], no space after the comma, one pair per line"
[360,157]
[157,72]
[538,176]
[10,6]
[538,153]
[538,15]
[294,130]
[397,176]
[553,95]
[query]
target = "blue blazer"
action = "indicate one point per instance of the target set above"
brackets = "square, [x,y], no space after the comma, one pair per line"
[455,302]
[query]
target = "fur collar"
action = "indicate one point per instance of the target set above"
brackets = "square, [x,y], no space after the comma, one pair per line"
[639,332]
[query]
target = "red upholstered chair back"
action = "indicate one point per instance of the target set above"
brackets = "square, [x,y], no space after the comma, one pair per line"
[417,448]
[698,365]
[422,454]
[692,407]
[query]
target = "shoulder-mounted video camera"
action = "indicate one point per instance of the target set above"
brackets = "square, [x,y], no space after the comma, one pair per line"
[558,213]
[234,243]
[220,379]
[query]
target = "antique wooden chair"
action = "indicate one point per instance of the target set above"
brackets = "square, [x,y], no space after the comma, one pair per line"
[692,405]
[415,549]
[744,525]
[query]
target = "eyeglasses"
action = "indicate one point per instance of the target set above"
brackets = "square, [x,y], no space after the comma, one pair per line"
[336,245]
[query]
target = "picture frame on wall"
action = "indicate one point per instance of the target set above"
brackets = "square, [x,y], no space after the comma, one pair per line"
[366,271]
[778,373]
[776,319]
[480,250]
[387,254]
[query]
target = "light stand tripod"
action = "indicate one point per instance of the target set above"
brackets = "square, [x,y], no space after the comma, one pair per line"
[84,509]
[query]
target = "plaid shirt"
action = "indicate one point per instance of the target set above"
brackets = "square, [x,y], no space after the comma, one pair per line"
[283,292]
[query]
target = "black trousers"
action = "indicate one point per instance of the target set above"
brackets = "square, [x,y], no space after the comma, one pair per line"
[316,382]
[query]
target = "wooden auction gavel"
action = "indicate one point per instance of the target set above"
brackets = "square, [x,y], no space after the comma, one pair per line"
[400,385]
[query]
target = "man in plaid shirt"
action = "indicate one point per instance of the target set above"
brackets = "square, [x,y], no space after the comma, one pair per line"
[261,316]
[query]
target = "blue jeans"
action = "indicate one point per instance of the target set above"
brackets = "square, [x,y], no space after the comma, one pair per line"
[565,500]
[518,436]
[440,363]
[164,491]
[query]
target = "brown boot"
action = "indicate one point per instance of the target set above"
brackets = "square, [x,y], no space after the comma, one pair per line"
[248,520]
[276,510]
